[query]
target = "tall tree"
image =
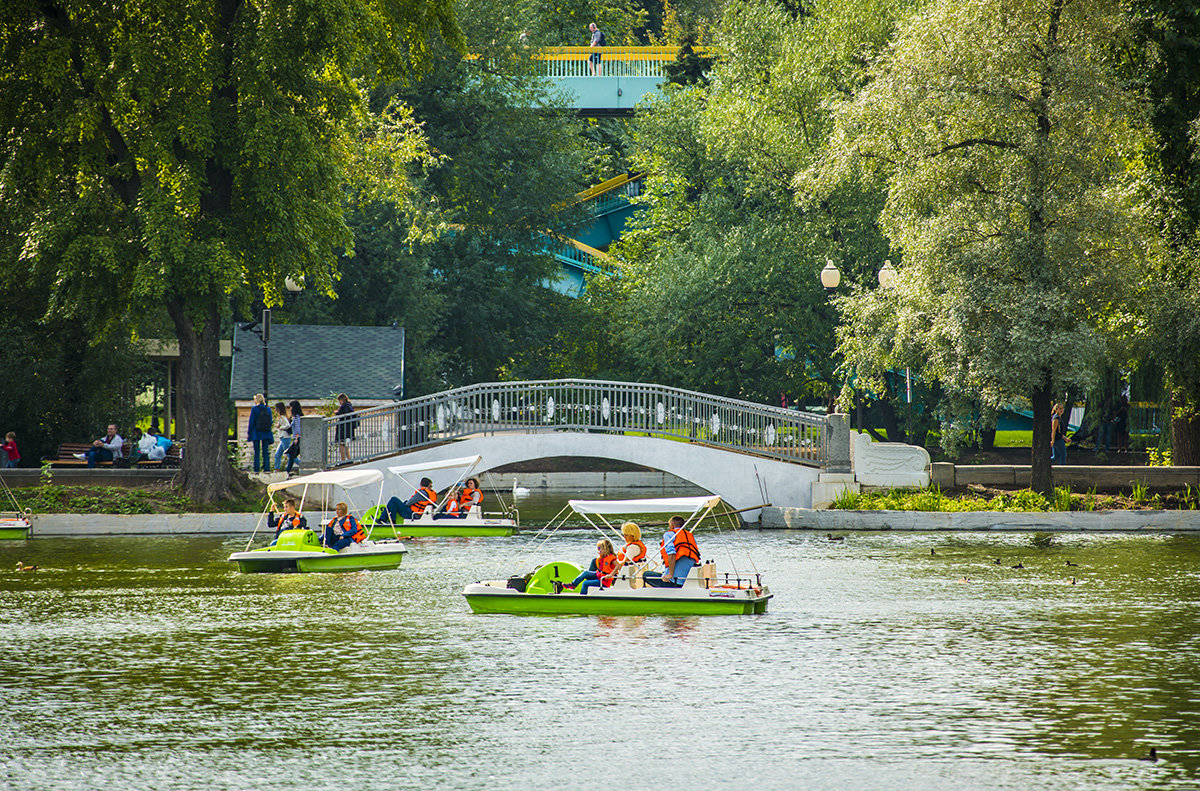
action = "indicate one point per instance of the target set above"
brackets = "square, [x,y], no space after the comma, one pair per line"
[1169,68]
[1004,132]
[179,152]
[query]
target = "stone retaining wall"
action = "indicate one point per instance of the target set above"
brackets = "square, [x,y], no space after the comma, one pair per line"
[1052,521]
[1079,477]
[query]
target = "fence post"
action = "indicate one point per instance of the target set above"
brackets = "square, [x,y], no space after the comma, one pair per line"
[837,440]
[314,443]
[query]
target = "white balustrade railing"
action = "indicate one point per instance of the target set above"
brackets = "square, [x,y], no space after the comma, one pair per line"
[582,405]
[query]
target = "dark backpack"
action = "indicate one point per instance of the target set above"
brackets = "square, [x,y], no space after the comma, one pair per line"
[262,423]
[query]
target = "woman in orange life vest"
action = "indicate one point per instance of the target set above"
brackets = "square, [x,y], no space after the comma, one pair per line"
[679,553]
[290,519]
[412,508]
[343,530]
[606,569]
[634,550]
[470,497]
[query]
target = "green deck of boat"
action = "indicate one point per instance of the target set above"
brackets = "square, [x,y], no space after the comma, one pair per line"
[13,533]
[576,604]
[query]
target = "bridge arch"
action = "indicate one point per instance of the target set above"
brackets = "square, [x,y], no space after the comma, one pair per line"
[741,480]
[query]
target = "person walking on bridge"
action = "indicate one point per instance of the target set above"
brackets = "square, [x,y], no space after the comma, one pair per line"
[597,42]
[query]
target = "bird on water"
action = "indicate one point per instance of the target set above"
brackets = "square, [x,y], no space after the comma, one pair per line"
[1151,756]
[22,567]
[832,537]
[1019,565]
[1069,563]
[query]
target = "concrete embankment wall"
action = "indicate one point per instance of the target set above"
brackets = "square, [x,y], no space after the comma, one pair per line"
[141,524]
[1049,522]
[656,483]
[1080,477]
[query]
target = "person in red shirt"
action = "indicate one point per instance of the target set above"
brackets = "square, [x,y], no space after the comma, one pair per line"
[11,455]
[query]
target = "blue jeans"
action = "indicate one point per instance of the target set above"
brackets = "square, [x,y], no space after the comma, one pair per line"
[98,454]
[1058,452]
[6,462]
[262,454]
[284,441]
[683,567]
[333,542]
[590,579]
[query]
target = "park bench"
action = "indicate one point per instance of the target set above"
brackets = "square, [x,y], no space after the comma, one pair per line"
[67,451]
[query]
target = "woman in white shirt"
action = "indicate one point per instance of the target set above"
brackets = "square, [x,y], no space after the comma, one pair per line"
[283,430]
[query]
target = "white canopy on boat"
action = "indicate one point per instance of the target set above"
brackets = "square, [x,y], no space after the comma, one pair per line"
[347,479]
[659,505]
[431,466]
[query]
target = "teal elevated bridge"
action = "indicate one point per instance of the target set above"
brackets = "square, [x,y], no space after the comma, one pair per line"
[580,250]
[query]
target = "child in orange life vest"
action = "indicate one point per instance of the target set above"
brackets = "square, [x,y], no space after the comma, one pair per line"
[606,569]
[634,550]
[343,530]
[290,519]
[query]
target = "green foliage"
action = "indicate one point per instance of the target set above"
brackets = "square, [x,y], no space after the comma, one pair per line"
[1062,499]
[1138,490]
[718,290]
[1005,135]
[176,153]
[1158,458]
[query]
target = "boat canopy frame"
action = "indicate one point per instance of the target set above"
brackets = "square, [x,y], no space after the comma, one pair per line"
[346,479]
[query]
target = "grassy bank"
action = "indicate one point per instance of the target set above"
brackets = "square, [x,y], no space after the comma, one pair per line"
[982,499]
[151,499]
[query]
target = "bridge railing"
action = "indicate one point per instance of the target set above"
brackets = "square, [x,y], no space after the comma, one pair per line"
[581,405]
[617,61]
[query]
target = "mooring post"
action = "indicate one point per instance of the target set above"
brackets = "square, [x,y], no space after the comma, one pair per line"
[314,443]
[837,442]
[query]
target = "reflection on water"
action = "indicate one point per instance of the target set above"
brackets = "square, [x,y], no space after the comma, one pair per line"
[151,663]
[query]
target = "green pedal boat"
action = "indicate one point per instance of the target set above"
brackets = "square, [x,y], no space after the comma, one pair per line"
[14,527]
[446,475]
[301,549]
[706,591]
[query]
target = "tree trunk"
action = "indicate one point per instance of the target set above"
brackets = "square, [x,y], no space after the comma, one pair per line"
[206,475]
[1041,478]
[1185,429]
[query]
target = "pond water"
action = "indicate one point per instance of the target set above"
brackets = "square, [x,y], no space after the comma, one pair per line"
[152,664]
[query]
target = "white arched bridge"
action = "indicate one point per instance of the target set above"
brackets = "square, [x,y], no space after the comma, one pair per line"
[740,450]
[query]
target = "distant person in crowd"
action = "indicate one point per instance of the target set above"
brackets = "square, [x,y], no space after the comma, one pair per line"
[289,519]
[153,446]
[283,427]
[294,449]
[1104,430]
[11,456]
[597,41]
[1120,428]
[470,496]
[679,554]
[606,569]
[163,442]
[634,550]
[344,432]
[258,431]
[138,446]
[1058,434]
[343,530]
[413,507]
[106,448]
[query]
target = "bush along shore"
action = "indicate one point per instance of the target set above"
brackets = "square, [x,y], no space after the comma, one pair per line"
[979,498]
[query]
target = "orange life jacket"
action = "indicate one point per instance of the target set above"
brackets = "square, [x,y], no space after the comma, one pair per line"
[469,497]
[633,552]
[348,526]
[285,522]
[606,569]
[452,506]
[685,545]
[430,498]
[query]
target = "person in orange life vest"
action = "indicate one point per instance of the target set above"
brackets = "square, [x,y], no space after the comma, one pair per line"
[634,550]
[679,553]
[413,507]
[343,530]
[450,509]
[606,569]
[290,519]
[470,497]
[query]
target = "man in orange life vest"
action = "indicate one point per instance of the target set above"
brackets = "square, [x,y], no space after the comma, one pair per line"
[679,553]
[415,505]
[290,519]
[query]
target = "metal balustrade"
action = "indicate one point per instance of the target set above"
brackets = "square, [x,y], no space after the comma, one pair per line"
[617,61]
[580,405]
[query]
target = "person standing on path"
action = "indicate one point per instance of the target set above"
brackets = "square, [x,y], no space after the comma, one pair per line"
[11,456]
[596,43]
[1058,435]
[345,426]
[294,449]
[283,427]
[258,432]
